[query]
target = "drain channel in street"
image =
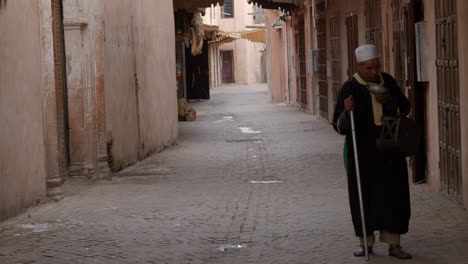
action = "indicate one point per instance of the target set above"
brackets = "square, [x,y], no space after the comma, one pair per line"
[240,140]
[265,182]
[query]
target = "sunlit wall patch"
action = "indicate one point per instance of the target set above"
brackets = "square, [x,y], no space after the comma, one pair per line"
[225,247]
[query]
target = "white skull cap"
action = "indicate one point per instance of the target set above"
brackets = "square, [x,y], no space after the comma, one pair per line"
[366,52]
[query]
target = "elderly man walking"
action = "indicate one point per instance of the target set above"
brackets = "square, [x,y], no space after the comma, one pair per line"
[384,176]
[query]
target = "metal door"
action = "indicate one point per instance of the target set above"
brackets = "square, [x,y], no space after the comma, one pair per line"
[227,66]
[335,57]
[352,42]
[374,23]
[301,62]
[448,98]
[322,66]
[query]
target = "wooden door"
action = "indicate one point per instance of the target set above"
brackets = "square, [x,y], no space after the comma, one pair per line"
[374,23]
[335,57]
[448,88]
[399,43]
[322,66]
[227,66]
[301,78]
[352,42]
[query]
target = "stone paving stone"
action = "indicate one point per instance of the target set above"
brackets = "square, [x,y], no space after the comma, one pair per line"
[196,203]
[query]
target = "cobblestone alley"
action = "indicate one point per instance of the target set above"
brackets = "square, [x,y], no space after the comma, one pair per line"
[248,182]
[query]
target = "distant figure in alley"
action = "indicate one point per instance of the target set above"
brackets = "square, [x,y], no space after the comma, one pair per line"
[384,175]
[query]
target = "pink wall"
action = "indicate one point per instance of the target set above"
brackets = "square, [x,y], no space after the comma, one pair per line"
[22,149]
[247,55]
[275,42]
[119,72]
[140,78]
[156,69]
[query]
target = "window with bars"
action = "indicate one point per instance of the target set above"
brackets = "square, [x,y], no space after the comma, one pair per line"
[227,10]
[258,15]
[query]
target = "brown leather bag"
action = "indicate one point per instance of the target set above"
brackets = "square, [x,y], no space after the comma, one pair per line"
[399,135]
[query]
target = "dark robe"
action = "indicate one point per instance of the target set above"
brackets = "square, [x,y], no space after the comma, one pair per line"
[384,176]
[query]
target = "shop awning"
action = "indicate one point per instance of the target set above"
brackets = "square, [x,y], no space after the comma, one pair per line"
[256,35]
[222,38]
[275,4]
[190,4]
[210,28]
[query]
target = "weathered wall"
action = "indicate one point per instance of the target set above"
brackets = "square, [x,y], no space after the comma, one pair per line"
[309,39]
[287,38]
[342,8]
[280,62]
[83,27]
[120,73]
[140,86]
[156,70]
[53,72]
[254,62]
[22,155]
[274,66]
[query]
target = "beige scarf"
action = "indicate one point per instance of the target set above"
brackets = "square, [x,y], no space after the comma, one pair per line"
[376,106]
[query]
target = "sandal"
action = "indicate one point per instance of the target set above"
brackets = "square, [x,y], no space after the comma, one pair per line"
[398,252]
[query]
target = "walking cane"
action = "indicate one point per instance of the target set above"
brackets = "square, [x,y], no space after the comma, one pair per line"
[358,176]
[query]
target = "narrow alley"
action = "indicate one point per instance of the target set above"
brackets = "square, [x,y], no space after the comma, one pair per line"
[248,182]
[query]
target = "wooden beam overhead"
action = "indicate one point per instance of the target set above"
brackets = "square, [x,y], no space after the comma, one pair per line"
[275,4]
[191,4]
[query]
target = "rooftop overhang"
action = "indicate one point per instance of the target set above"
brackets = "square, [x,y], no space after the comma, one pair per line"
[224,37]
[256,35]
[191,4]
[210,28]
[275,4]
[210,31]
